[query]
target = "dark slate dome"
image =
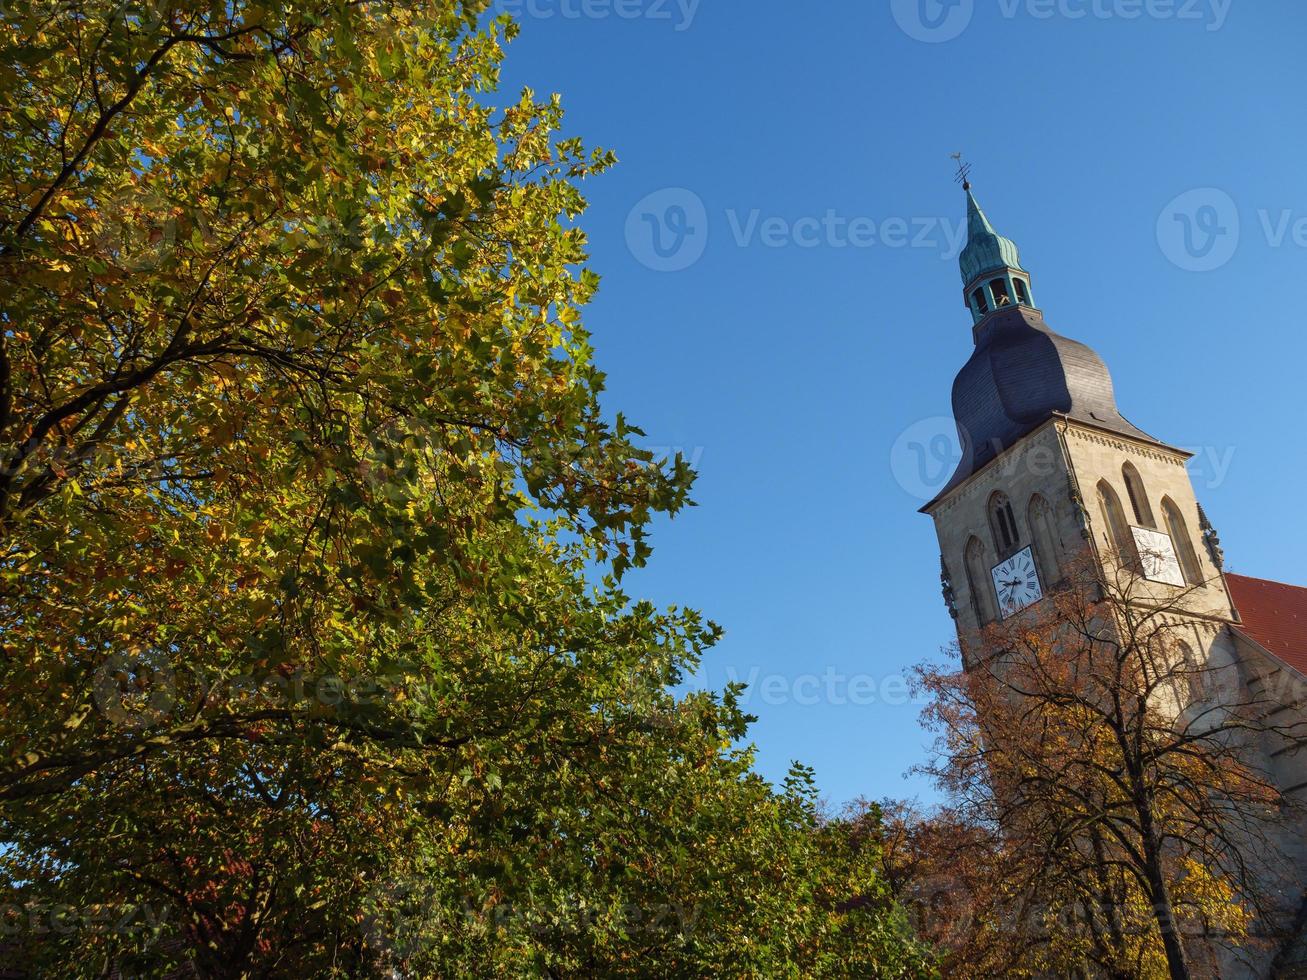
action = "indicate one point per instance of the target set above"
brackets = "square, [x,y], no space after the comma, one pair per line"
[1021,375]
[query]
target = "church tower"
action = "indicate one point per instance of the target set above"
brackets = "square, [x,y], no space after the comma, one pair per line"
[1051,469]
[1051,475]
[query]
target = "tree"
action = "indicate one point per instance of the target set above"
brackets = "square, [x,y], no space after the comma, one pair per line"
[291,329]
[312,531]
[1119,783]
[956,877]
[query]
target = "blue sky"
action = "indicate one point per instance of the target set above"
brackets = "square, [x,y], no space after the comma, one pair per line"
[796,324]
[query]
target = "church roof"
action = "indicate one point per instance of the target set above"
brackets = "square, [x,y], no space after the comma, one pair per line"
[1021,375]
[1273,614]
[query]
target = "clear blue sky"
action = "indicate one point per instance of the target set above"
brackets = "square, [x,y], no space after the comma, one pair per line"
[788,357]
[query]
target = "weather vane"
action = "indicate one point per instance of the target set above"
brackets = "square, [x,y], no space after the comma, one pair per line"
[964,171]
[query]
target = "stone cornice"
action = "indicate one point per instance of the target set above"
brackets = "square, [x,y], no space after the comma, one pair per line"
[1078,429]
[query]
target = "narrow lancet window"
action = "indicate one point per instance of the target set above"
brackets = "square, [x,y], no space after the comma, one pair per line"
[1178,528]
[1134,486]
[1048,544]
[1003,523]
[1121,540]
[978,581]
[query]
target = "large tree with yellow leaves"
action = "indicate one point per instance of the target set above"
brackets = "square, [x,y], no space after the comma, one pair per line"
[304,484]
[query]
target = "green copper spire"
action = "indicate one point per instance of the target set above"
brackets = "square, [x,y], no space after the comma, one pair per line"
[992,275]
[987,250]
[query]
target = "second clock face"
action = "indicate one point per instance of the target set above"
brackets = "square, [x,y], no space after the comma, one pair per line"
[1016,583]
[1157,553]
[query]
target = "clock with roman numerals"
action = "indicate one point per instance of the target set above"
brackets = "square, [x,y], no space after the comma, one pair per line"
[1016,583]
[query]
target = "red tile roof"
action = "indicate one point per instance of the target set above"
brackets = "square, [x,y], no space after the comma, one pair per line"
[1275,615]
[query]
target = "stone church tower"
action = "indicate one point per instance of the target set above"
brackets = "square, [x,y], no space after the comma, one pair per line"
[1051,469]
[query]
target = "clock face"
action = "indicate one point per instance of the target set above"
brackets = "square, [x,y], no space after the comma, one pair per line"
[1016,583]
[1157,555]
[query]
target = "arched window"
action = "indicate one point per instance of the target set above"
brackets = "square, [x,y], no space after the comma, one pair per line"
[1048,543]
[1134,486]
[1184,546]
[1004,524]
[982,307]
[999,288]
[1121,539]
[978,581]
[1023,296]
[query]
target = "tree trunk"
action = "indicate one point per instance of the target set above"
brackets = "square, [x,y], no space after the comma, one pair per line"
[1111,910]
[1163,912]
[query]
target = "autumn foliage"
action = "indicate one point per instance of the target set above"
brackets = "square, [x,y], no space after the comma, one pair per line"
[316,656]
[1109,811]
